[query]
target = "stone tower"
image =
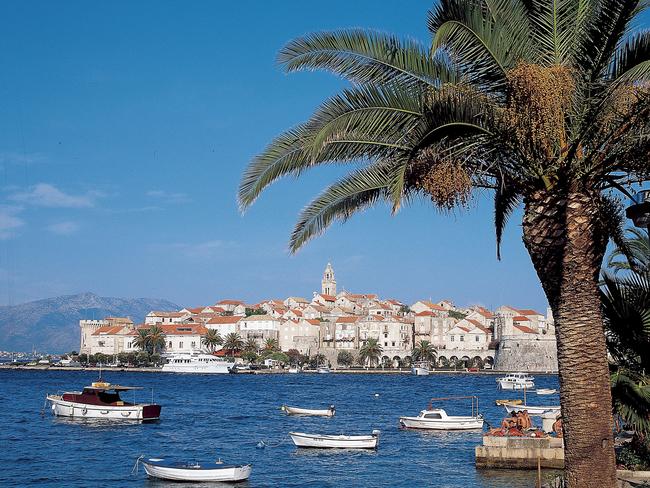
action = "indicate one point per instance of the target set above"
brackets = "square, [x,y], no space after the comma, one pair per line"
[328,285]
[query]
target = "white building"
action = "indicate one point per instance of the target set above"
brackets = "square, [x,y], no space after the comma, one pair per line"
[164,317]
[260,328]
[302,335]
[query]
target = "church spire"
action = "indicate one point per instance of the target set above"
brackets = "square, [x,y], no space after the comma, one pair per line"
[328,285]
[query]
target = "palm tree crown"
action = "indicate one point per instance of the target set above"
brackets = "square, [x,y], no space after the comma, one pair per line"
[233,343]
[370,352]
[423,351]
[212,339]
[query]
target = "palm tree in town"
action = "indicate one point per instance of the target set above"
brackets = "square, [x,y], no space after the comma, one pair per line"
[141,340]
[212,339]
[370,352]
[271,344]
[634,255]
[233,343]
[156,338]
[423,351]
[542,103]
[251,345]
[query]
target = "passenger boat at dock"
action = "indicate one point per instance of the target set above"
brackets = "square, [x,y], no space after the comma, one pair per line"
[102,400]
[192,471]
[197,362]
[301,439]
[516,381]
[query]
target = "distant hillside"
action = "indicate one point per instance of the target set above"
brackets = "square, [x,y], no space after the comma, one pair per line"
[52,324]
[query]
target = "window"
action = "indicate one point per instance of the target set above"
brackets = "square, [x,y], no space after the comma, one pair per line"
[462,338]
[393,343]
[432,416]
[452,338]
[193,344]
[180,345]
[385,336]
[386,343]
[478,338]
[170,344]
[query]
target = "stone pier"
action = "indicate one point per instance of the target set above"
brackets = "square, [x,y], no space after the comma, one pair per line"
[520,452]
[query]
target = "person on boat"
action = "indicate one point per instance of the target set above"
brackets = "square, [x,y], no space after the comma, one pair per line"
[526,422]
[557,427]
[509,422]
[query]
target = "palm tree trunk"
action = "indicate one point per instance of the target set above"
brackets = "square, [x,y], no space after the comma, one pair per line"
[566,241]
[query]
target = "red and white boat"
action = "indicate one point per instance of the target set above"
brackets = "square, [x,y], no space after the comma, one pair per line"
[102,400]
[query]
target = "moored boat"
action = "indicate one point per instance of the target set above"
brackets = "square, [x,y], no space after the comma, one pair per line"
[196,362]
[545,391]
[505,401]
[300,439]
[516,381]
[323,370]
[533,410]
[423,368]
[192,471]
[437,418]
[328,412]
[102,400]
[293,370]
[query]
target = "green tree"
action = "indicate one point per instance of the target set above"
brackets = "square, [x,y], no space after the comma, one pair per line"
[633,253]
[542,103]
[345,358]
[271,344]
[156,338]
[250,356]
[233,344]
[370,352]
[212,339]
[295,357]
[424,351]
[141,340]
[317,360]
[123,358]
[254,311]
[625,299]
[83,359]
[143,358]
[251,345]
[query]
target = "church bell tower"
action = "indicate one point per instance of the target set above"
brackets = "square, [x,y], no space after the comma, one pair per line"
[328,285]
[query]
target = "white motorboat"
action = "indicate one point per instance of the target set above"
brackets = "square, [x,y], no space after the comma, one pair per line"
[437,419]
[545,391]
[516,381]
[301,439]
[196,362]
[533,410]
[293,370]
[421,369]
[329,412]
[102,400]
[323,370]
[193,471]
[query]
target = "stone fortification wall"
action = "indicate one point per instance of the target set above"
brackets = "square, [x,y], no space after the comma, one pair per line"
[523,354]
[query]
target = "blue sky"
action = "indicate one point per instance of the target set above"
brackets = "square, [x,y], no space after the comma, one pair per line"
[125,129]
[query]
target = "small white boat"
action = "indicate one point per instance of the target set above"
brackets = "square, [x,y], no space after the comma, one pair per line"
[437,419]
[329,412]
[193,471]
[545,391]
[516,381]
[293,370]
[533,410]
[301,439]
[421,369]
[323,370]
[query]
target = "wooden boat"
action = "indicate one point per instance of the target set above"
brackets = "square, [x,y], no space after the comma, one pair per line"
[511,402]
[437,418]
[329,412]
[102,400]
[193,471]
[545,391]
[533,410]
[300,439]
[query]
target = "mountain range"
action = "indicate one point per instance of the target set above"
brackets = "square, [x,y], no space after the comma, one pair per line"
[52,324]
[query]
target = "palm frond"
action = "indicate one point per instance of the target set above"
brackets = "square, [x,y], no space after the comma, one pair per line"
[340,201]
[631,62]
[631,399]
[364,56]
[506,200]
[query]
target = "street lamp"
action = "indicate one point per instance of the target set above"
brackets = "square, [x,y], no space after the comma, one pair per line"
[639,211]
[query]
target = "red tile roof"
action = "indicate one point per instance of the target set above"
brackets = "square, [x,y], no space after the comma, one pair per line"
[426,313]
[230,302]
[525,329]
[225,319]
[528,312]
[183,329]
[313,321]
[327,298]
[108,330]
[346,320]
[520,318]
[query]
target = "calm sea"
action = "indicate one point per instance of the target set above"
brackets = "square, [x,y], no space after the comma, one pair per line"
[206,417]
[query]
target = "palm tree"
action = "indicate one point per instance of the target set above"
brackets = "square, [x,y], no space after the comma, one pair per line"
[156,338]
[424,351]
[544,103]
[212,339]
[634,256]
[141,340]
[370,352]
[233,343]
[251,345]
[626,308]
[271,344]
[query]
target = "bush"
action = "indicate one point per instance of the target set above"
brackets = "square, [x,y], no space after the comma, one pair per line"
[635,455]
[345,358]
